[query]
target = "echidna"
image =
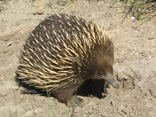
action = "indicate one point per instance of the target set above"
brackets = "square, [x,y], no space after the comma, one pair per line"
[62,52]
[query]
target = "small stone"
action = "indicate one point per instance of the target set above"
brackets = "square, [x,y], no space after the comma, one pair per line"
[2,78]
[153,91]
[133,18]
[10,110]
[28,114]
[120,108]
[6,86]
[38,11]
[104,114]
[150,38]
[150,113]
[8,44]
[132,114]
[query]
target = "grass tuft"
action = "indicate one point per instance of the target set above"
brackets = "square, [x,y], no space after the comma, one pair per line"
[50,107]
[2,3]
[140,9]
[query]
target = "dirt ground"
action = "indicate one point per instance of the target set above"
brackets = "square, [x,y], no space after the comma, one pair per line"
[134,68]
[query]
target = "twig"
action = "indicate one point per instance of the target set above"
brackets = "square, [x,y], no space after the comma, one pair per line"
[111,7]
[128,12]
[145,21]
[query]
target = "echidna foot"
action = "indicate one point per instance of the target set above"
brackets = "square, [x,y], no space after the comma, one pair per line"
[76,101]
[29,91]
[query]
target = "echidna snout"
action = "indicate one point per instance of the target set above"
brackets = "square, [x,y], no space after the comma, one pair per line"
[110,79]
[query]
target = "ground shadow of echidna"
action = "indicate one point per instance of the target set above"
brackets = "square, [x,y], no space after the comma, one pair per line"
[92,88]
[88,88]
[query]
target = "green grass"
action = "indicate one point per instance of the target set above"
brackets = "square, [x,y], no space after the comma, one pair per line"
[2,3]
[15,104]
[2,39]
[16,112]
[50,107]
[140,9]
[69,112]
[11,53]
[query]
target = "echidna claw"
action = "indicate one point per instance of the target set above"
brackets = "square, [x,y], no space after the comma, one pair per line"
[77,102]
[105,89]
[29,91]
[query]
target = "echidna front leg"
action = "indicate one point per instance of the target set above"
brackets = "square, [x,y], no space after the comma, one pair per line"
[66,96]
[105,87]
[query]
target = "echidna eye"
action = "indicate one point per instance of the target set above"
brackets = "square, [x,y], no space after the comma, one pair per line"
[100,73]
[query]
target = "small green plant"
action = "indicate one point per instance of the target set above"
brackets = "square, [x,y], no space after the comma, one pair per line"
[2,39]
[2,3]
[49,102]
[141,8]
[11,53]
[16,113]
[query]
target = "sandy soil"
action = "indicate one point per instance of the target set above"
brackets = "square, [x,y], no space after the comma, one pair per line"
[134,68]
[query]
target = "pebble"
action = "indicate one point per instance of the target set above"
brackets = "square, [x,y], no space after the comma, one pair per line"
[28,114]
[153,91]
[133,18]
[132,114]
[12,111]
[9,44]
[120,108]
[5,87]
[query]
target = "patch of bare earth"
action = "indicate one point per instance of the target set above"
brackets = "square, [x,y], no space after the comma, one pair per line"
[134,68]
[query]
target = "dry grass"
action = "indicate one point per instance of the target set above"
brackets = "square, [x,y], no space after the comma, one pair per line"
[140,9]
[2,3]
